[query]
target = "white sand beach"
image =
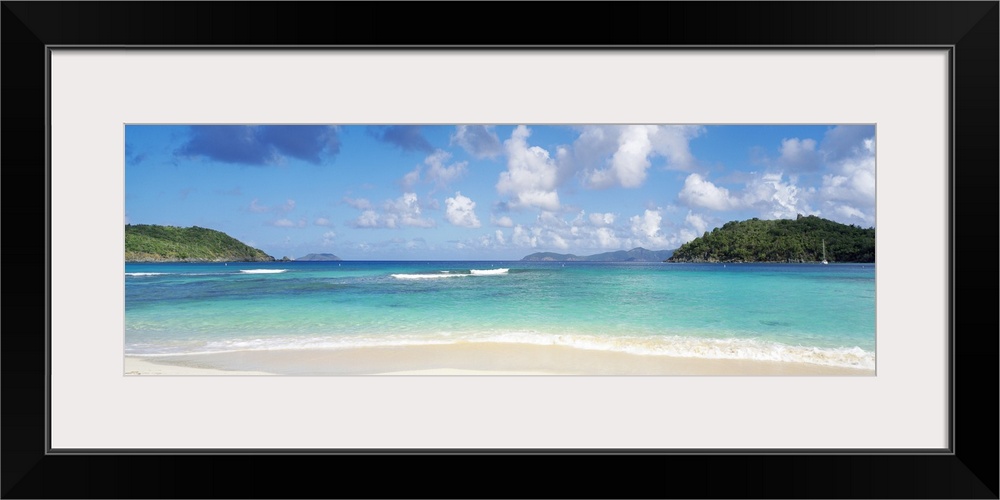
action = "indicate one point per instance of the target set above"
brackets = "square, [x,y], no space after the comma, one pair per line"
[466,359]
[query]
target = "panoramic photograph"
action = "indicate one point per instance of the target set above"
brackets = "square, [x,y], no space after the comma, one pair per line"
[499,249]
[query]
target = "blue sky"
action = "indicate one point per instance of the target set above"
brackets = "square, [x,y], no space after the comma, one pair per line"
[466,192]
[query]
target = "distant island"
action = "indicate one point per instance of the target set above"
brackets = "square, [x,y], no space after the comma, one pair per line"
[319,257]
[153,243]
[781,240]
[633,255]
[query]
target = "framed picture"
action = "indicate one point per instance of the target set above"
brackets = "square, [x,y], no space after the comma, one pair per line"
[918,80]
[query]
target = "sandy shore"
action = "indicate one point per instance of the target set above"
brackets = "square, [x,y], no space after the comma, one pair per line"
[160,366]
[465,359]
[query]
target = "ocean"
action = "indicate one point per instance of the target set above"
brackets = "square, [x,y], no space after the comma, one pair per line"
[798,313]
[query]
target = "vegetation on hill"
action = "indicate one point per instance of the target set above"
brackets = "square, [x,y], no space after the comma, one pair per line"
[152,243]
[782,240]
[633,255]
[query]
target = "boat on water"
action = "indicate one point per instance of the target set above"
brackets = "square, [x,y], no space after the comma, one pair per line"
[824,252]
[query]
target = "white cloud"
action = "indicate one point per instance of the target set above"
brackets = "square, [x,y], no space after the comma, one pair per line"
[411,179]
[328,238]
[846,212]
[322,221]
[368,218]
[286,207]
[629,162]
[774,198]
[502,221]
[606,238]
[358,203]
[672,142]
[499,237]
[847,141]
[257,208]
[600,219]
[406,211]
[697,222]
[283,223]
[850,191]
[532,175]
[648,224]
[699,192]
[403,211]
[621,155]
[438,172]
[799,155]
[460,211]
[479,141]
[524,237]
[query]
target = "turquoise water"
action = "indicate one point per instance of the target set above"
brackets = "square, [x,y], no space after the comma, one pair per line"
[813,313]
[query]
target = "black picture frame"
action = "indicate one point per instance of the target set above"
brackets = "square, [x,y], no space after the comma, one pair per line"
[968,470]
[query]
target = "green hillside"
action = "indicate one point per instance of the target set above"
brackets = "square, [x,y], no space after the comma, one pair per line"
[151,243]
[782,240]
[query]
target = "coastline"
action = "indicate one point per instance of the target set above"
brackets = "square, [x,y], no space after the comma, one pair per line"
[466,359]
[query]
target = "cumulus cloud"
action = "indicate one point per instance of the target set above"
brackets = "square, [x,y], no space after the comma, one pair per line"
[502,221]
[405,137]
[845,159]
[328,238]
[593,233]
[799,155]
[646,227]
[368,218]
[322,221]
[480,141]
[358,203]
[288,223]
[261,144]
[774,198]
[846,141]
[525,237]
[700,192]
[531,176]
[767,193]
[460,211]
[849,192]
[403,211]
[602,219]
[697,222]
[410,180]
[620,155]
[438,172]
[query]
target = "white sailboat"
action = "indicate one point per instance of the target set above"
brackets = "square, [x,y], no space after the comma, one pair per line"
[824,252]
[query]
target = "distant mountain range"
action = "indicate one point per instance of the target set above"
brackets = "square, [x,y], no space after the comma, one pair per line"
[319,257]
[633,255]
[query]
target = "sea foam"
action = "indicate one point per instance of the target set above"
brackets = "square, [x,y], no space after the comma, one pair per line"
[425,276]
[449,274]
[487,272]
[263,271]
[672,346]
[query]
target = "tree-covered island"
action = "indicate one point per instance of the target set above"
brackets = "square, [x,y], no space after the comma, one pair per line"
[153,243]
[781,240]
